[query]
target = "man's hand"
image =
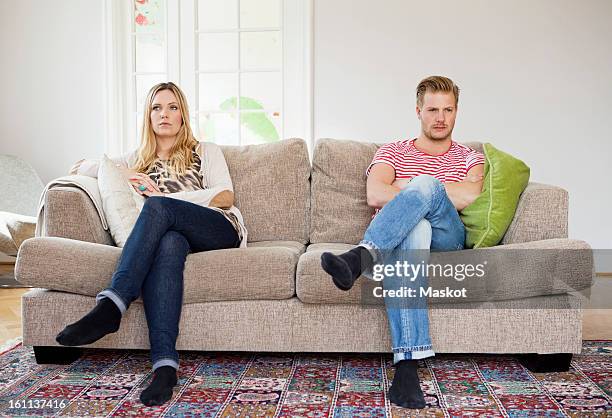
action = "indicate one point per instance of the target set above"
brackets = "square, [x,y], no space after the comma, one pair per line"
[475,178]
[382,186]
[400,183]
[463,193]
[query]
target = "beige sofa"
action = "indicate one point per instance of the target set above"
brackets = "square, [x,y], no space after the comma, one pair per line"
[274,296]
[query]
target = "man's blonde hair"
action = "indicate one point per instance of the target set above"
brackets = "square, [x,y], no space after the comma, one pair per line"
[181,156]
[434,84]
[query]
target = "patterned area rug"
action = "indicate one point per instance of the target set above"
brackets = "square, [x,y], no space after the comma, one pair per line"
[109,382]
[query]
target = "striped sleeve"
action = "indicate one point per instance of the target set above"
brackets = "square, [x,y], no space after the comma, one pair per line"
[473,158]
[387,154]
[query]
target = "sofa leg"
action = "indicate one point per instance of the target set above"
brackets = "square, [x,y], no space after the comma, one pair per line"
[56,355]
[544,363]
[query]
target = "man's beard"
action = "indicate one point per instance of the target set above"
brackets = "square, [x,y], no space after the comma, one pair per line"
[430,135]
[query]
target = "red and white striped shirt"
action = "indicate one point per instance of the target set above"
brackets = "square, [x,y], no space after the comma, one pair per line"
[408,162]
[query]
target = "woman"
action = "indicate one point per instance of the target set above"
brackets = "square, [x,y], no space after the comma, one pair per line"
[189,208]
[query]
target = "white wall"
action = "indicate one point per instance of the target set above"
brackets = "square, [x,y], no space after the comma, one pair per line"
[51,105]
[536,80]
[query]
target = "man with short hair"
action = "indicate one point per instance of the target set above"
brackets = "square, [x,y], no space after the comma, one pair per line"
[417,187]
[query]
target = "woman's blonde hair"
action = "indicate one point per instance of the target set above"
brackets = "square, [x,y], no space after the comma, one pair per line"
[181,156]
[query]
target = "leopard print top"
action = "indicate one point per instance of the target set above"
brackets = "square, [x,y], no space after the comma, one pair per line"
[169,181]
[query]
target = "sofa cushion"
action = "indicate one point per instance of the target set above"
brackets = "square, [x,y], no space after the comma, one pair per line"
[487,219]
[512,271]
[339,211]
[314,285]
[272,189]
[264,270]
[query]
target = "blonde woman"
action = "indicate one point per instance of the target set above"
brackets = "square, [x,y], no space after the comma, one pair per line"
[189,208]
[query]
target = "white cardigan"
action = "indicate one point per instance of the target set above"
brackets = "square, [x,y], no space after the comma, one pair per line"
[215,173]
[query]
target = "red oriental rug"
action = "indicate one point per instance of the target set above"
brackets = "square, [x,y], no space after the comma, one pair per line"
[108,383]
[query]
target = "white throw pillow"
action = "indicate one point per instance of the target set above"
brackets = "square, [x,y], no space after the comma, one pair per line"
[120,202]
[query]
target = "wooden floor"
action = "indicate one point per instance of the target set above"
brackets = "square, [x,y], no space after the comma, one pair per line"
[596,325]
[10,314]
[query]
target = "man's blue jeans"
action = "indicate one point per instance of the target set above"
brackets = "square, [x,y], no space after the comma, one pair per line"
[152,263]
[421,217]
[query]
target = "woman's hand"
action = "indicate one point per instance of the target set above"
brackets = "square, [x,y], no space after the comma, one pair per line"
[140,179]
[149,194]
[223,200]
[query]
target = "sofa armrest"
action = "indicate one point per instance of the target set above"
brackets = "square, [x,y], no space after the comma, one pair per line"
[541,214]
[559,265]
[70,213]
[517,271]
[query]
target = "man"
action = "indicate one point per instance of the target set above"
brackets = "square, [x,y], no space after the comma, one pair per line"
[417,187]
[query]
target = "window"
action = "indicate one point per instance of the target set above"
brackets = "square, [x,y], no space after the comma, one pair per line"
[244,66]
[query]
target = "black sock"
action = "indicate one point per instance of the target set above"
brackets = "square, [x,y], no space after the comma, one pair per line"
[406,390]
[346,268]
[101,320]
[160,389]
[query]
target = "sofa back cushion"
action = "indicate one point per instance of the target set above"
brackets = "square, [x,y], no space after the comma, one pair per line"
[339,211]
[272,188]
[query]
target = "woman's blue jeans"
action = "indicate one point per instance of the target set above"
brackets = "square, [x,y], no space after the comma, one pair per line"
[152,263]
[419,219]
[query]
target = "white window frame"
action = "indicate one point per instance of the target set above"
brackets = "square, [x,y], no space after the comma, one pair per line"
[119,89]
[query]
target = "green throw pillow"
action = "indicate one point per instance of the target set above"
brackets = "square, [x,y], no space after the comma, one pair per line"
[489,216]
